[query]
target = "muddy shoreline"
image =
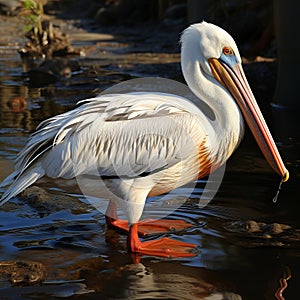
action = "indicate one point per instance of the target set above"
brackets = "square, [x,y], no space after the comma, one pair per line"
[136,49]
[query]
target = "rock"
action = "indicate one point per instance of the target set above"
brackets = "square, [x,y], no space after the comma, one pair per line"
[45,203]
[22,272]
[276,228]
[259,234]
[34,193]
[252,226]
[10,7]
[51,71]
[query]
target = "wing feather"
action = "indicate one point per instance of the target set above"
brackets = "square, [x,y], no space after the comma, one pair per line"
[114,135]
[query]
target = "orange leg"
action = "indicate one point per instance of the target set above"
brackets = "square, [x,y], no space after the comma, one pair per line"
[112,220]
[144,227]
[164,247]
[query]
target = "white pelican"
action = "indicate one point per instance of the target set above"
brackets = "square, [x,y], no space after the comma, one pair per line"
[112,135]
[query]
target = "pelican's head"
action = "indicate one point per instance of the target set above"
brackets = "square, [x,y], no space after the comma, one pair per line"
[210,50]
[207,41]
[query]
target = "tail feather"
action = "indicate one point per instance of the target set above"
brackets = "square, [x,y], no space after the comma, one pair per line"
[25,180]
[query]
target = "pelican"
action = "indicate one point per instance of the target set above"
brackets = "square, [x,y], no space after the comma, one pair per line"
[149,143]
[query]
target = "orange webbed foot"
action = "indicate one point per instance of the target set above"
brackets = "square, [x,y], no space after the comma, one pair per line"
[164,247]
[147,227]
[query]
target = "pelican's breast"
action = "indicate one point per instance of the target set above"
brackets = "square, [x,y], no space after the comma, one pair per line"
[195,159]
[206,161]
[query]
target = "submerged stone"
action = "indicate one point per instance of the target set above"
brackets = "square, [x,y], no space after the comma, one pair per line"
[22,272]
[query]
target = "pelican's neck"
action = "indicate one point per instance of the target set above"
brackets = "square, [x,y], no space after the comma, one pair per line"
[228,123]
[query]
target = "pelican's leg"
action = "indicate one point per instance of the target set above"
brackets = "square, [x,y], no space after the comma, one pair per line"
[164,247]
[112,220]
[145,227]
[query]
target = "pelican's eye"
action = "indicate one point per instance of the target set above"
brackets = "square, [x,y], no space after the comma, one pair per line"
[227,51]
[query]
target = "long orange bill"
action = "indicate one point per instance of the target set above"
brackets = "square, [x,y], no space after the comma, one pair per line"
[234,80]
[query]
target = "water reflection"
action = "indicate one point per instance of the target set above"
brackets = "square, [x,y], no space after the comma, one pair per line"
[168,280]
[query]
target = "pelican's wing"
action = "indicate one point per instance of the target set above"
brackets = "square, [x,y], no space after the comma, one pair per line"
[135,134]
[112,135]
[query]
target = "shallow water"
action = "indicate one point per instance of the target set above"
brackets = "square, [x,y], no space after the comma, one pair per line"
[85,261]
